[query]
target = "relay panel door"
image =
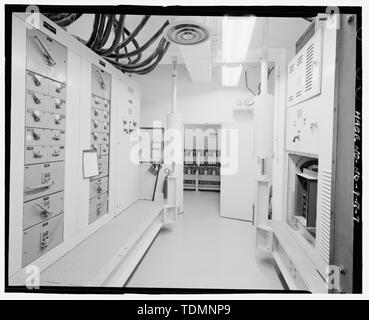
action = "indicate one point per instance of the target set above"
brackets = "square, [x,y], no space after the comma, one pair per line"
[45,124]
[100,139]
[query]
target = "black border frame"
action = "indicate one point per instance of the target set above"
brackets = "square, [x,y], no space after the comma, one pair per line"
[260,11]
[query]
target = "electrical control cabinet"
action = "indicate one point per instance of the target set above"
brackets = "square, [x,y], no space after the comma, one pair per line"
[100,139]
[45,123]
[55,116]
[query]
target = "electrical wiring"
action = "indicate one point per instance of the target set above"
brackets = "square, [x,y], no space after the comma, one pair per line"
[136,45]
[247,85]
[125,50]
[135,32]
[144,63]
[118,35]
[64,19]
[92,38]
[118,49]
[150,67]
[100,31]
[259,86]
[143,47]
[153,66]
[107,31]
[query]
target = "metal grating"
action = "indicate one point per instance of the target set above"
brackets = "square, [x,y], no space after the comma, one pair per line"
[309,67]
[325,215]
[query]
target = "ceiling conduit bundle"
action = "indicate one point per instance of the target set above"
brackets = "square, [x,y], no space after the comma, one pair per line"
[104,25]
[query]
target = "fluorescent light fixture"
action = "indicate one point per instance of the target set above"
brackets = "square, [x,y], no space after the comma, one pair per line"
[231,75]
[236,37]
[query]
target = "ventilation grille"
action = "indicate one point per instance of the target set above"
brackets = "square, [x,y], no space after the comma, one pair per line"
[186,33]
[325,215]
[304,72]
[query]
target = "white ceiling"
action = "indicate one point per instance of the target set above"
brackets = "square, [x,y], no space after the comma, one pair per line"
[200,60]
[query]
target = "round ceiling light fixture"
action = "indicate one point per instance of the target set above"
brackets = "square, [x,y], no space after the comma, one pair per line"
[186,33]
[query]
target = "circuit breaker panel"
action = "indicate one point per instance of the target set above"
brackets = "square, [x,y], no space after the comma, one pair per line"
[45,114]
[100,137]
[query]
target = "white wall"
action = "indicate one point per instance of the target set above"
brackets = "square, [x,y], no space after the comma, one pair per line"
[197,102]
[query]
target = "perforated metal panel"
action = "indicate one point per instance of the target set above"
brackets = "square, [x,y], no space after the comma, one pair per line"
[305,71]
[325,215]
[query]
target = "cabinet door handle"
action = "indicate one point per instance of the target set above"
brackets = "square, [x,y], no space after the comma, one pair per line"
[37,154]
[98,209]
[56,153]
[99,188]
[35,115]
[36,99]
[45,212]
[60,88]
[57,118]
[35,79]
[40,186]
[36,136]
[56,137]
[48,57]
[101,80]
[58,103]
[44,239]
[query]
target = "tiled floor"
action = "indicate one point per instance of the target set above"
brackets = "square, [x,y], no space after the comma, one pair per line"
[203,250]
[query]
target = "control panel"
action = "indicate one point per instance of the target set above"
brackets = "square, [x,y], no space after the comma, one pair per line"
[130,122]
[100,139]
[303,128]
[45,114]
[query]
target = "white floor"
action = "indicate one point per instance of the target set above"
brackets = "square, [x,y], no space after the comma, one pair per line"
[203,250]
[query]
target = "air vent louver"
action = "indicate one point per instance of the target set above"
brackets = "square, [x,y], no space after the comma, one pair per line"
[304,71]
